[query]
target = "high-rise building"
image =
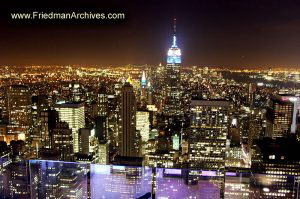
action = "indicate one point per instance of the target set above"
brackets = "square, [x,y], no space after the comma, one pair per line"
[143,91]
[39,104]
[103,153]
[86,139]
[53,179]
[129,138]
[18,180]
[63,141]
[75,92]
[175,142]
[102,102]
[144,80]
[101,120]
[101,125]
[251,91]
[19,105]
[73,114]
[143,124]
[209,128]
[276,168]
[48,120]
[172,88]
[282,115]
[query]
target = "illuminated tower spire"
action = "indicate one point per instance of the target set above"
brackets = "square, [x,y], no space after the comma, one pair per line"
[129,80]
[174,53]
[174,25]
[174,36]
[144,81]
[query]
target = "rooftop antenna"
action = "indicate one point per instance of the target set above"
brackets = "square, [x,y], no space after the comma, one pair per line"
[174,25]
[174,36]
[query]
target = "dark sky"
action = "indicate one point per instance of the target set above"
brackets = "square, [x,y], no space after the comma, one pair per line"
[210,33]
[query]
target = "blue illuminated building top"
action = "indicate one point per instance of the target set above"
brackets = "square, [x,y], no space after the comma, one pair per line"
[174,53]
[144,80]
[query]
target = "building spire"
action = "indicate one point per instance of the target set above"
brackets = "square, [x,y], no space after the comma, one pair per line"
[174,36]
[174,25]
[144,80]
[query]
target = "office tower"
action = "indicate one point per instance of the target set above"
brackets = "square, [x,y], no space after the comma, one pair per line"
[18,180]
[175,142]
[46,183]
[129,138]
[255,127]
[208,131]
[54,179]
[172,87]
[234,156]
[103,153]
[101,119]
[73,114]
[63,141]
[75,91]
[282,115]
[39,104]
[48,119]
[251,95]
[19,106]
[88,94]
[86,139]
[3,105]
[5,162]
[102,102]
[277,164]
[101,126]
[143,124]
[113,123]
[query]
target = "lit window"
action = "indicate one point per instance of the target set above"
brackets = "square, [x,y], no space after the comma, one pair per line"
[272,157]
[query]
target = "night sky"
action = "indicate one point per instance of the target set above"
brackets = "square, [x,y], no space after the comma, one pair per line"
[209,32]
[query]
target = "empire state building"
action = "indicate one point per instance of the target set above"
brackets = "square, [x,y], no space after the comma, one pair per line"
[173,90]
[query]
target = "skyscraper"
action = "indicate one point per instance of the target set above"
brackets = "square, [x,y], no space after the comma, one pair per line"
[208,132]
[172,89]
[276,163]
[63,141]
[129,138]
[101,128]
[19,105]
[144,80]
[102,102]
[49,119]
[282,115]
[75,92]
[73,114]
[143,124]
[101,120]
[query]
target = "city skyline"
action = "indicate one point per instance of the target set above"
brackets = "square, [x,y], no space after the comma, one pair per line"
[215,33]
[161,129]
